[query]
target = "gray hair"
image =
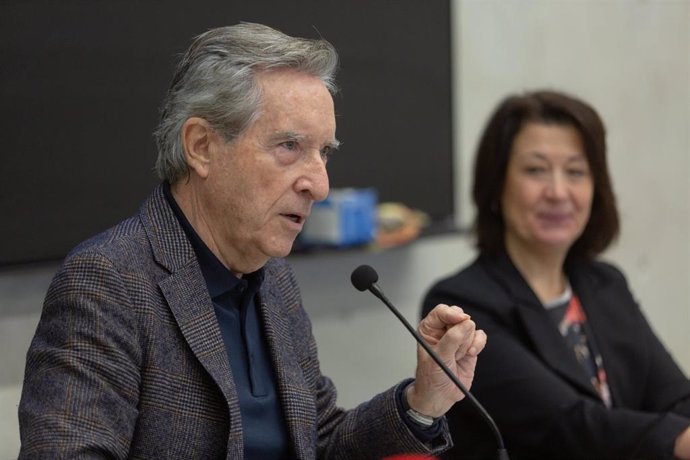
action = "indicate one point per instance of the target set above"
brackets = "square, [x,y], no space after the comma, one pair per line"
[215,80]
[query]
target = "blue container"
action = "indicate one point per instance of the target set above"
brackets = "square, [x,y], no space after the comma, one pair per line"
[346,218]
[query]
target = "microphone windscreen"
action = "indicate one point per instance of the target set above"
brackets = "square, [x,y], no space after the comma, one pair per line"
[363,277]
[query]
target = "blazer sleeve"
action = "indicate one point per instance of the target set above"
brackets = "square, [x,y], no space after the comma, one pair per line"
[665,388]
[81,384]
[372,430]
[540,414]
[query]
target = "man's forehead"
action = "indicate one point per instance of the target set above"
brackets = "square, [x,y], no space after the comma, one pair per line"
[295,105]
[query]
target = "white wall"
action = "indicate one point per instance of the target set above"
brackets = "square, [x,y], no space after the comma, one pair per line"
[630,59]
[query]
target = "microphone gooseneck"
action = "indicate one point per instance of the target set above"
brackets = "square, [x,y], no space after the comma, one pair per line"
[364,278]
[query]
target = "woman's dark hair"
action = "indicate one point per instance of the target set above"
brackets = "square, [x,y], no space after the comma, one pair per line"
[493,153]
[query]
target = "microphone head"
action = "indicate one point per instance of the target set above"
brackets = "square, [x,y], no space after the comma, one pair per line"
[363,277]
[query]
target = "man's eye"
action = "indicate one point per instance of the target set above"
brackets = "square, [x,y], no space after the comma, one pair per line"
[290,145]
[326,152]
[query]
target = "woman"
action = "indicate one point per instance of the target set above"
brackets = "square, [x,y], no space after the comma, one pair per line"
[572,368]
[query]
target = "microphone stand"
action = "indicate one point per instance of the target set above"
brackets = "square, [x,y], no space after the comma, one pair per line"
[502,453]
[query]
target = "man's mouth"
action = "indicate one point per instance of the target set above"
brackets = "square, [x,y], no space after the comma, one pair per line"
[296,218]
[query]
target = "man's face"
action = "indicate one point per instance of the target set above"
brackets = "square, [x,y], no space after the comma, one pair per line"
[261,186]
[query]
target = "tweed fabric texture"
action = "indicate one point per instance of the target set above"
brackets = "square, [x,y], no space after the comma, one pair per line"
[128,361]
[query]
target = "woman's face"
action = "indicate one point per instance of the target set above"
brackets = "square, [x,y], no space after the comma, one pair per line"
[547,196]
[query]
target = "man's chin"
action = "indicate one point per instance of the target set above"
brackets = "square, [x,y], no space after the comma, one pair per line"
[282,249]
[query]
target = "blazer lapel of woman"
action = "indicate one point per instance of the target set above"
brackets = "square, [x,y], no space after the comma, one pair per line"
[540,328]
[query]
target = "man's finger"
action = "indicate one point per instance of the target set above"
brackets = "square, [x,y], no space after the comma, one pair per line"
[457,340]
[478,344]
[441,318]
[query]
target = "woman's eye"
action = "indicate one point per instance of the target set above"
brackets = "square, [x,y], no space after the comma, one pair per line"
[534,169]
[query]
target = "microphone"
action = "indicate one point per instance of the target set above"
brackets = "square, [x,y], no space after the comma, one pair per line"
[364,278]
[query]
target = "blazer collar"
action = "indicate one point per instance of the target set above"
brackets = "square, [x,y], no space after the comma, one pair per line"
[170,246]
[185,291]
[539,326]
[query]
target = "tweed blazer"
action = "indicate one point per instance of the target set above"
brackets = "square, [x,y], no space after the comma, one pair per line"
[533,386]
[128,361]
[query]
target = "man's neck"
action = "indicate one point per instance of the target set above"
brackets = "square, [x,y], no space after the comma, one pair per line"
[184,194]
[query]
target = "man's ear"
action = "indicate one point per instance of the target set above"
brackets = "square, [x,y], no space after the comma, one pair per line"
[197,140]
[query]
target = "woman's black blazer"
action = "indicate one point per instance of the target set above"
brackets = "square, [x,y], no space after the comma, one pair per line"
[534,388]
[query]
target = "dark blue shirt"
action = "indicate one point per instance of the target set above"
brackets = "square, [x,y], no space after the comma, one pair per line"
[235,304]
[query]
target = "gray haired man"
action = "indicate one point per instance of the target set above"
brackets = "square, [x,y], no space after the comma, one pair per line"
[179,333]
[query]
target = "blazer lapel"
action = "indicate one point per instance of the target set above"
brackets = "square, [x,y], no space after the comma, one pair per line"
[188,299]
[546,338]
[296,397]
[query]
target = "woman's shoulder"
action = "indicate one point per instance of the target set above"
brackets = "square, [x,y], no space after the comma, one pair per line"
[472,286]
[466,276]
[600,272]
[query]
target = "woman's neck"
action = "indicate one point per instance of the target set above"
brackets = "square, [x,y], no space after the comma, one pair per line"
[543,271]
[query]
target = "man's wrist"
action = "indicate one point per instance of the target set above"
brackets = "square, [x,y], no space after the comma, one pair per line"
[412,414]
[421,405]
[426,434]
[420,419]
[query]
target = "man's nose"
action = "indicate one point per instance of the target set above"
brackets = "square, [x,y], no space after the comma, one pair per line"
[314,179]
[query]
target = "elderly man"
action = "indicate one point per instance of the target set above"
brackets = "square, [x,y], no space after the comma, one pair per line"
[180,332]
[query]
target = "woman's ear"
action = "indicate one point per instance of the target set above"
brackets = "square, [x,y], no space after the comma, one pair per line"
[197,139]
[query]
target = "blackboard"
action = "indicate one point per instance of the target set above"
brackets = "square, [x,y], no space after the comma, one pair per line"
[81,83]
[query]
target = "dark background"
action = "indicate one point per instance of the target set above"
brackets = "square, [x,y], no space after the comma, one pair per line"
[81,83]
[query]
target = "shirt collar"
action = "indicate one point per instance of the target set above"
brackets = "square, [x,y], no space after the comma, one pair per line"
[562,299]
[219,280]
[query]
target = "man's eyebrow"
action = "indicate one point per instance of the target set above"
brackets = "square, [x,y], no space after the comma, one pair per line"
[291,135]
[287,135]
